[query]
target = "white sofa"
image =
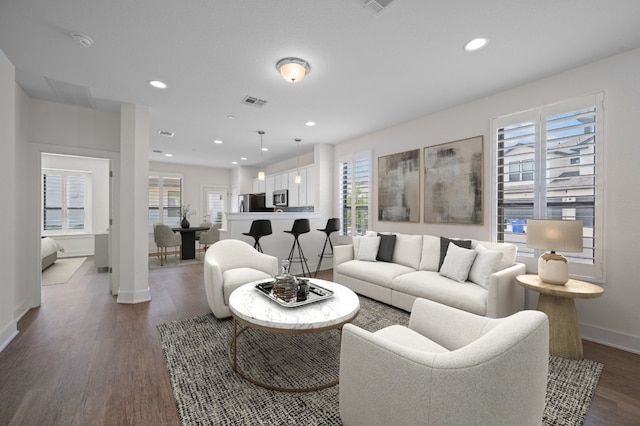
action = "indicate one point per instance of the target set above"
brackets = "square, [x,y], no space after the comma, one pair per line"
[414,272]
[449,367]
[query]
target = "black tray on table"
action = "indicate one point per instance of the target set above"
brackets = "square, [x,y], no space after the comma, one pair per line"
[316,293]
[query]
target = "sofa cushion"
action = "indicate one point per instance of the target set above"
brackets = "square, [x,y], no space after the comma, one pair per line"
[234,278]
[509,252]
[444,245]
[408,250]
[379,273]
[412,339]
[387,246]
[485,264]
[433,286]
[430,260]
[368,249]
[457,263]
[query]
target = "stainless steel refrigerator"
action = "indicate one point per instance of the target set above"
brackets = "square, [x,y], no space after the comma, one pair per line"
[252,203]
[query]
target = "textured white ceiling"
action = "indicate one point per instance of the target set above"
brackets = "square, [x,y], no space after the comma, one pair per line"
[368,72]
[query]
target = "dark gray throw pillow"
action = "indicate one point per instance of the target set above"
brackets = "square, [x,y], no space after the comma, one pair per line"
[387,244]
[444,245]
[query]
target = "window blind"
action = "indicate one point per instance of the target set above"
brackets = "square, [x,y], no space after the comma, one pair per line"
[549,167]
[63,201]
[354,176]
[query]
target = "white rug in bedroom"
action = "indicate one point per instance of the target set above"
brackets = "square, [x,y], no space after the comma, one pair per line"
[61,270]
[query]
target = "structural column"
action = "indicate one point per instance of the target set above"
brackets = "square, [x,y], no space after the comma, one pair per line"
[133,274]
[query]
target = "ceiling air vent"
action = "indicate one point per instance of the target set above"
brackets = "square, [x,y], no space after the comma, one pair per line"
[255,102]
[375,6]
[165,133]
[71,94]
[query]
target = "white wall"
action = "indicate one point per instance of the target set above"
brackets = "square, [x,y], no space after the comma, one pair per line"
[83,244]
[613,319]
[8,173]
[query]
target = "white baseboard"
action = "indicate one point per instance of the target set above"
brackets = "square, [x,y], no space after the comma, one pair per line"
[611,338]
[75,253]
[130,297]
[8,334]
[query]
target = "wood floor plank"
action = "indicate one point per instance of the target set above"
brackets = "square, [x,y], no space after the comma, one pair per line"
[82,358]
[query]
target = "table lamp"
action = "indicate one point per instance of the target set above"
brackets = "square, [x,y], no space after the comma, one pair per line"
[554,235]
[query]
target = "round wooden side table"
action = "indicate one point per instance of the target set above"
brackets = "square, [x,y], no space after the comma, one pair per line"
[557,301]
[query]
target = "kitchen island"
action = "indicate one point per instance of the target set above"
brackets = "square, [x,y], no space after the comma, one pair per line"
[279,243]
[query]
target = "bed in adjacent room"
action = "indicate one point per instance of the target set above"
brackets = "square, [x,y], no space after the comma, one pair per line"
[49,251]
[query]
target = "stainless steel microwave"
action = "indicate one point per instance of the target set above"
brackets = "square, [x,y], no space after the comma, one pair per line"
[281,197]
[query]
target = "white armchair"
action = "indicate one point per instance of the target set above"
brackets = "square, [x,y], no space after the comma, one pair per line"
[449,367]
[228,264]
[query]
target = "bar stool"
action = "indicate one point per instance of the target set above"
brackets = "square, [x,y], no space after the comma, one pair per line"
[259,228]
[333,225]
[300,226]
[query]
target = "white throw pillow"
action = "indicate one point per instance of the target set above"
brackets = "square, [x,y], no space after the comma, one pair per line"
[486,263]
[430,253]
[509,252]
[408,250]
[457,263]
[368,249]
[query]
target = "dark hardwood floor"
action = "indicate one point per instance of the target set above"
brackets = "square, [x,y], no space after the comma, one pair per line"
[83,359]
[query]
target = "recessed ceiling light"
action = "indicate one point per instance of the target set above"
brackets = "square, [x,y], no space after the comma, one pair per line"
[166,133]
[157,151]
[230,117]
[265,149]
[476,44]
[243,158]
[234,162]
[168,155]
[158,84]
[310,123]
[217,141]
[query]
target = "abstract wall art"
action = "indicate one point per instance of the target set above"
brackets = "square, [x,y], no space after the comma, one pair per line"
[399,187]
[453,182]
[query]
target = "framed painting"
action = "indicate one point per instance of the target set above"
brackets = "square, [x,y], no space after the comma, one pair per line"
[453,174]
[399,187]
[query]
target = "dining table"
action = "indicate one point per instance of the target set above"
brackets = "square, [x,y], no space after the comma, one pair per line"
[189,240]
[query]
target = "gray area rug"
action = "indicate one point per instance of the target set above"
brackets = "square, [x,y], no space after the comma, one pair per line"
[172,260]
[207,390]
[61,270]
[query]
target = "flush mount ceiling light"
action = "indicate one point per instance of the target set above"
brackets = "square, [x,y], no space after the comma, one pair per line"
[217,142]
[157,84]
[310,123]
[293,69]
[476,44]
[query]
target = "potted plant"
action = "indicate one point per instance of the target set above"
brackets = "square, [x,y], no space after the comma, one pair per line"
[185,212]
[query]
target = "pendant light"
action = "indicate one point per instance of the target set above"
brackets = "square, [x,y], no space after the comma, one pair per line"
[298,179]
[261,172]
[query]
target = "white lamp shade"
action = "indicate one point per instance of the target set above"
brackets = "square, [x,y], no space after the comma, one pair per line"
[555,235]
[260,175]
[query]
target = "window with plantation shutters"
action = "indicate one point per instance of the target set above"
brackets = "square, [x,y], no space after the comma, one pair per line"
[63,201]
[549,166]
[165,199]
[354,182]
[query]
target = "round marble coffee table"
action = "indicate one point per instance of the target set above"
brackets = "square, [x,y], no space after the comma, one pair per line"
[254,310]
